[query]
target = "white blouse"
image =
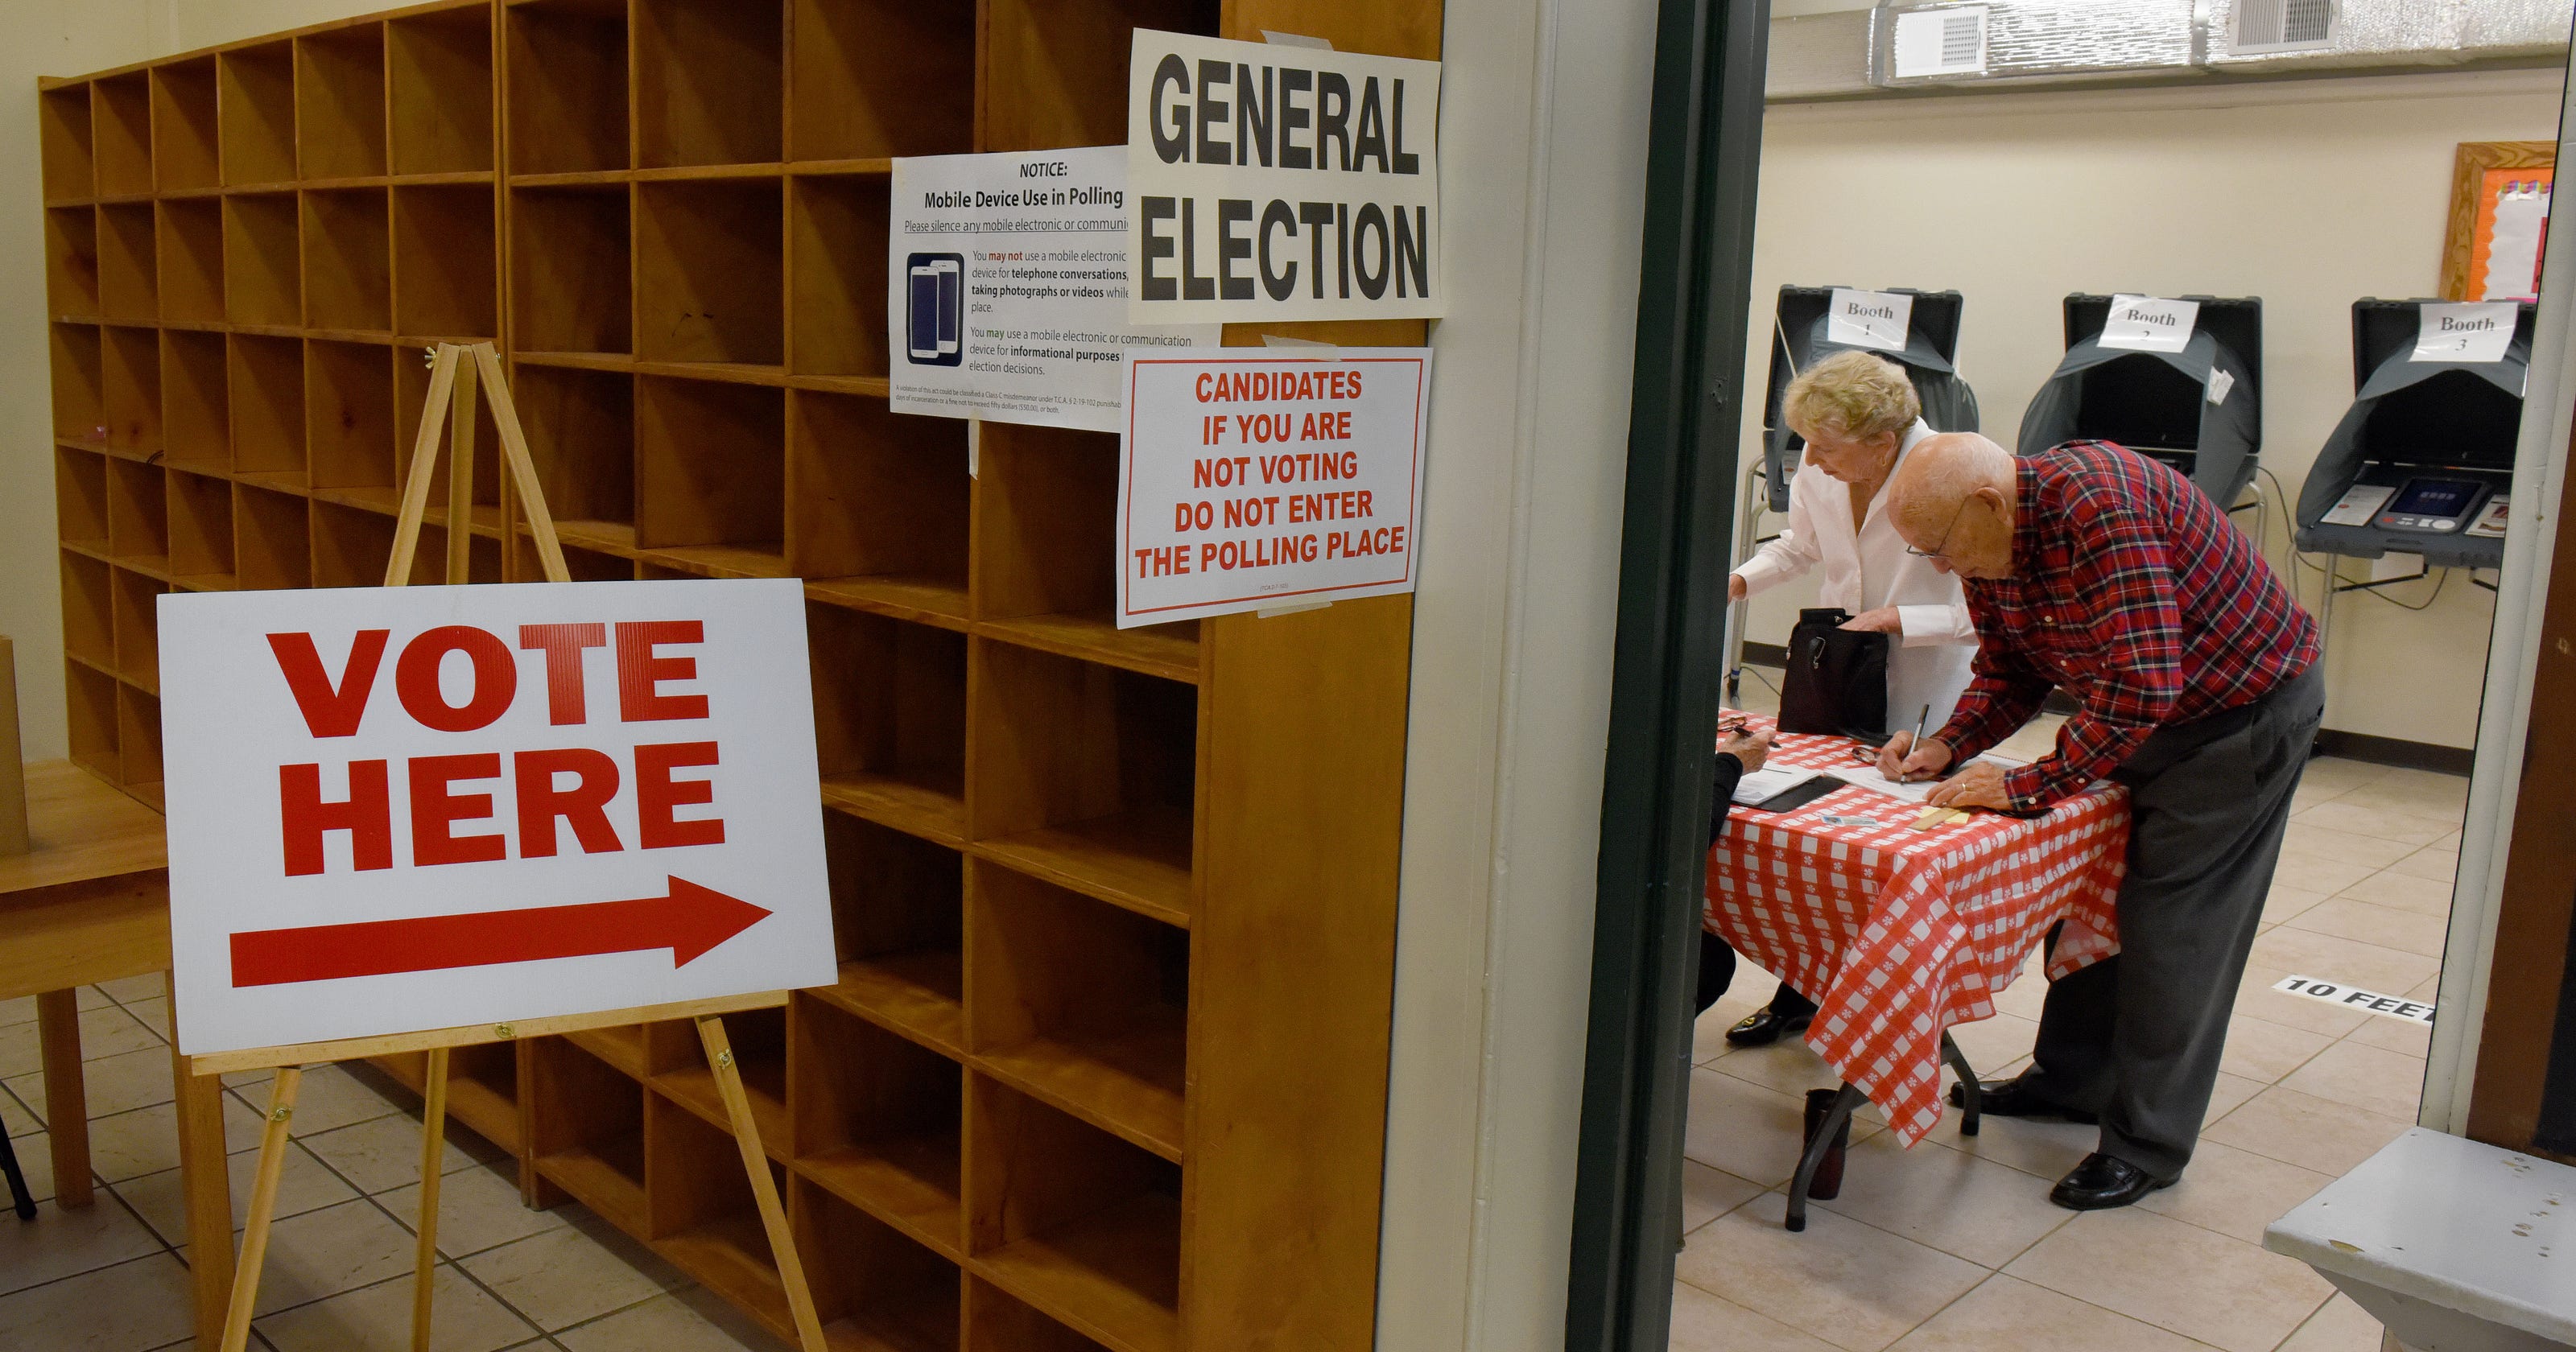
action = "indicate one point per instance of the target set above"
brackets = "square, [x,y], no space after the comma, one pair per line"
[1871,569]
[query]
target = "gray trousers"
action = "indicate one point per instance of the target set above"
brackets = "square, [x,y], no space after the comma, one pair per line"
[2136,1038]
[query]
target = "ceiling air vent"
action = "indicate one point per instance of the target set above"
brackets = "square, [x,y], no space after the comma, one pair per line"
[2281,25]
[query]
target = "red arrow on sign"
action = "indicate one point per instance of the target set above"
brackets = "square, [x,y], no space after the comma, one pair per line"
[688,921]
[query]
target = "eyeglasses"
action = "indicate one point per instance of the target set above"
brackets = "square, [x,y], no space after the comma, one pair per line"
[1944,551]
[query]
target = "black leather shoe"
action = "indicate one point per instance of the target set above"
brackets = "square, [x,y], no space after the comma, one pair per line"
[1765,1026]
[2101,1183]
[2007,1098]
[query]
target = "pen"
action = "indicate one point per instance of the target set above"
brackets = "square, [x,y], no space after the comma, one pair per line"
[1921,721]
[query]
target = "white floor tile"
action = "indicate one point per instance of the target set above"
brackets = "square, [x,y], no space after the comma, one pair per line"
[1852,1285]
[2178,1277]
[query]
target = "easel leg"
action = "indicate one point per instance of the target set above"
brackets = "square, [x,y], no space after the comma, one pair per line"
[764,1190]
[209,1188]
[66,1097]
[433,1147]
[263,1207]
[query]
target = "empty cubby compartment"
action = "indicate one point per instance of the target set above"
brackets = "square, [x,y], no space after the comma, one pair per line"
[710,465]
[272,543]
[196,427]
[130,370]
[80,497]
[89,610]
[1085,775]
[340,102]
[63,128]
[80,394]
[446,281]
[878,1120]
[570,282]
[588,1130]
[138,738]
[1072,1220]
[1055,71]
[201,530]
[874,1286]
[1080,1002]
[439,67]
[138,627]
[128,280]
[890,718]
[187,152]
[348,260]
[138,516]
[898,917]
[191,249]
[878,503]
[255,107]
[996,1319]
[266,405]
[262,272]
[875,78]
[121,134]
[838,305]
[91,715]
[580,427]
[708,272]
[708,76]
[567,74]
[349,416]
[71,262]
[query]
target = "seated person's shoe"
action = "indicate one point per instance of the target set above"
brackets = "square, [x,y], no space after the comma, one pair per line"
[2101,1183]
[2008,1098]
[1765,1026]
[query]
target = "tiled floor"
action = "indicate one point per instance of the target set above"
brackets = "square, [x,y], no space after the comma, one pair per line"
[1950,1245]
[113,1278]
[1954,1244]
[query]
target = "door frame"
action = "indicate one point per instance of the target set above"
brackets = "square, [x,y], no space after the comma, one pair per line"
[1686,412]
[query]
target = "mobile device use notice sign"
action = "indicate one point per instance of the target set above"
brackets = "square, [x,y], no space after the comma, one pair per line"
[401,809]
[1253,478]
[1007,280]
[1277,182]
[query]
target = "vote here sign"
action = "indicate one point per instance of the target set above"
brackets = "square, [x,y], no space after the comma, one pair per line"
[395,810]
[1259,477]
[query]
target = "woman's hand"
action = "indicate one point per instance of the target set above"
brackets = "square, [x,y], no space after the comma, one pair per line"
[1749,749]
[1884,620]
[1734,587]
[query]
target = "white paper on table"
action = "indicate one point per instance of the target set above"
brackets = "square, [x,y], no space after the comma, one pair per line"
[1868,777]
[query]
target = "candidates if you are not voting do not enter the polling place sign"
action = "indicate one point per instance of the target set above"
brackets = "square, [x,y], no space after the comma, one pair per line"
[405,809]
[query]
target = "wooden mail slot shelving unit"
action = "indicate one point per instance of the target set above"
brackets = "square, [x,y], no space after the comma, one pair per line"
[1105,1065]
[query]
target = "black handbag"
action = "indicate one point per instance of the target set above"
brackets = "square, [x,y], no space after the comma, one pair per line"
[1837,678]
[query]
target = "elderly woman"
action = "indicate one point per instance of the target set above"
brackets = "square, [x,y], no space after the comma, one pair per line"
[1860,416]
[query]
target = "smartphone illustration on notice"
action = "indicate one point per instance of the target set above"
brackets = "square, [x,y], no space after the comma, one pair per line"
[934,308]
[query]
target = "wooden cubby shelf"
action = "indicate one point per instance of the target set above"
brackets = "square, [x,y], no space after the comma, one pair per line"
[1114,933]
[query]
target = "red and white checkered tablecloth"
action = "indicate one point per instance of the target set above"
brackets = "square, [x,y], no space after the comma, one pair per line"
[1899,934]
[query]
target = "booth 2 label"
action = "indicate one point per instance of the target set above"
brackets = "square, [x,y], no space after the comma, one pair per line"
[396,810]
[1250,478]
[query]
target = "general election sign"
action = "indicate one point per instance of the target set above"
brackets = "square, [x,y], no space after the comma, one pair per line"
[1274,183]
[1252,478]
[395,810]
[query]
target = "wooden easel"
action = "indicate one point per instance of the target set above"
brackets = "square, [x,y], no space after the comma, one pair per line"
[455,372]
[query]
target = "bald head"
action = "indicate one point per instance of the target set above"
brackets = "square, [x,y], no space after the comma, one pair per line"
[1953,497]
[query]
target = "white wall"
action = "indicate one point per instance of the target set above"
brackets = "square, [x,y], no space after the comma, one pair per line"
[1543,128]
[54,38]
[2310,194]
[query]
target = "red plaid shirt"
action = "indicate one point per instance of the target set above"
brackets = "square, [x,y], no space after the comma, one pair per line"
[2135,594]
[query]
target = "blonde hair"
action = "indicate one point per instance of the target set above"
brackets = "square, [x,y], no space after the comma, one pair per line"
[1851,394]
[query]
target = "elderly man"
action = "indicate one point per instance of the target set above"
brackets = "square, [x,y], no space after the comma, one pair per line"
[2103,573]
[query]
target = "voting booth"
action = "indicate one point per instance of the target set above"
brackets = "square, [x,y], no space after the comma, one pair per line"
[2422,462]
[1924,339]
[2179,380]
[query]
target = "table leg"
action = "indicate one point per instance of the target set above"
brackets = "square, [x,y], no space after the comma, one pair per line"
[1970,1092]
[1845,1103]
[66,1097]
[208,1188]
